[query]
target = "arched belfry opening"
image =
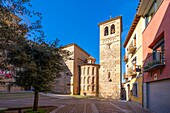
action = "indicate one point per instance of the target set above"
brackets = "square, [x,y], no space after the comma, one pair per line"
[112,30]
[106,31]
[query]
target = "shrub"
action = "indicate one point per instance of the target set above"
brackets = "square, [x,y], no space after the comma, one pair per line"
[2,111]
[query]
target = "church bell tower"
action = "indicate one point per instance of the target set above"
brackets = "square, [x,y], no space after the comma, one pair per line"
[110,58]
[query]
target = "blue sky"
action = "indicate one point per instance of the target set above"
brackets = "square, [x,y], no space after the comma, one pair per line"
[76,21]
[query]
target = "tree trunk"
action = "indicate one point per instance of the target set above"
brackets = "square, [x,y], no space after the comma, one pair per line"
[36,96]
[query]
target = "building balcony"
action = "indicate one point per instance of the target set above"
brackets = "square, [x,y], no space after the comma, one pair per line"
[125,76]
[132,49]
[132,71]
[125,58]
[154,61]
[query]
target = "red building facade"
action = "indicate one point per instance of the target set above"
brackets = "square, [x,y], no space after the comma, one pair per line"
[156,54]
[156,45]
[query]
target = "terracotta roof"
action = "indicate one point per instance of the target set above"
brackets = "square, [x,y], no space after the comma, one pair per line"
[91,58]
[73,44]
[118,17]
[132,28]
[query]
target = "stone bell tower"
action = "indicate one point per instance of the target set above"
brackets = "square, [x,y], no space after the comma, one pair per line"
[110,58]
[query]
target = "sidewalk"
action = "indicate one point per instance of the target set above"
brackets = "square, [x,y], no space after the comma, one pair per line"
[138,108]
[60,96]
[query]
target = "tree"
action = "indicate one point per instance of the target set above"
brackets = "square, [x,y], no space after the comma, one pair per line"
[11,30]
[36,62]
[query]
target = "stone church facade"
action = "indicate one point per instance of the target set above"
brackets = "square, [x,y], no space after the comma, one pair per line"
[84,77]
[90,78]
[69,82]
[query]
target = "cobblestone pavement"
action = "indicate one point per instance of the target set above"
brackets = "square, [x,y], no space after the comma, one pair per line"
[75,105]
[100,107]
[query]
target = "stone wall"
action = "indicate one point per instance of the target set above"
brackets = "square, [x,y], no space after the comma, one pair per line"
[64,84]
[110,60]
[12,89]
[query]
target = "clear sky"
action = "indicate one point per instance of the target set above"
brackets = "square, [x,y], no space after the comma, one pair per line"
[76,21]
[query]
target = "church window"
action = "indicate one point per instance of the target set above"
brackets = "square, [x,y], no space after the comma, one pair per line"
[109,75]
[109,79]
[88,79]
[92,70]
[88,70]
[106,31]
[93,80]
[88,87]
[92,88]
[112,30]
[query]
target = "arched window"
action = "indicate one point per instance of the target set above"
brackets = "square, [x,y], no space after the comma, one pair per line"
[112,30]
[88,87]
[88,69]
[109,75]
[93,80]
[88,80]
[106,31]
[92,70]
[92,88]
[84,80]
[109,79]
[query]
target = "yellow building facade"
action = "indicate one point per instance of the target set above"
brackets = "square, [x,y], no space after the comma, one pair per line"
[134,58]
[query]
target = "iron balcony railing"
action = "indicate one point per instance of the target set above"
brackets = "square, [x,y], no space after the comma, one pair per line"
[154,61]
[132,71]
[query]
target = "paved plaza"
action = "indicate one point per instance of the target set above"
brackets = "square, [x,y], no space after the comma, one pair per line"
[71,104]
